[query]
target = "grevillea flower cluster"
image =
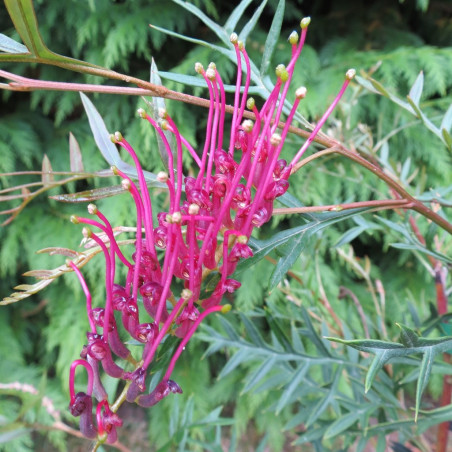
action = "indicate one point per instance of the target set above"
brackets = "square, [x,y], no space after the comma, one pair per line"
[205,231]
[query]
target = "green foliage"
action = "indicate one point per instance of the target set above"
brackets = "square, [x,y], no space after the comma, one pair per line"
[269,377]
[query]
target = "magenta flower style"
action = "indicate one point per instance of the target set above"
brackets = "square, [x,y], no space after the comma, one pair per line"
[204,232]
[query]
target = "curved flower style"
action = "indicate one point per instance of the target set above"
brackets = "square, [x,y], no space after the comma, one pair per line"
[205,230]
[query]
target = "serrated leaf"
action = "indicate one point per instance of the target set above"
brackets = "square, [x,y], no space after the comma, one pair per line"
[417,88]
[8,45]
[248,28]
[235,16]
[75,155]
[272,37]
[47,177]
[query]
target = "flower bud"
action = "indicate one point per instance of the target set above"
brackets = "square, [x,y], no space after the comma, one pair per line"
[118,136]
[125,184]
[275,139]
[350,74]
[293,38]
[199,68]
[163,113]
[193,209]
[300,93]
[305,22]
[162,176]
[234,38]
[141,113]
[250,103]
[226,308]
[92,209]
[210,73]
[248,125]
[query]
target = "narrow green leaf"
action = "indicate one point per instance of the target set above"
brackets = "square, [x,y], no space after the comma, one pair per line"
[8,45]
[446,123]
[248,28]
[218,30]
[235,16]
[23,16]
[255,377]
[424,375]
[447,138]
[47,176]
[157,104]
[238,358]
[90,195]
[272,37]
[252,331]
[75,155]
[408,337]
[315,338]
[341,424]
[107,148]
[381,357]
[297,377]
[416,89]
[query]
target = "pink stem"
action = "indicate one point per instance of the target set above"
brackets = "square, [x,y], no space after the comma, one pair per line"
[187,337]
[89,307]
[89,370]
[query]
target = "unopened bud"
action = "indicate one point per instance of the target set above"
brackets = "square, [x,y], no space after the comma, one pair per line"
[74,219]
[279,70]
[240,45]
[125,184]
[169,219]
[210,73]
[250,103]
[87,233]
[163,113]
[114,170]
[275,139]
[247,125]
[199,68]
[293,38]
[305,22]
[300,93]
[243,239]
[350,74]
[92,209]
[162,176]
[141,113]
[164,124]
[212,65]
[177,217]
[186,294]
[118,136]
[234,38]
[112,138]
[193,209]
[226,308]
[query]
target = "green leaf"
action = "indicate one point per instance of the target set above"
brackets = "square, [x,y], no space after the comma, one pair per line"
[75,155]
[296,377]
[47,173]
[90,195]
[447,138]
[416,89]
[248,28]
[107,148]
[235,16]
[298,238]
[8,45]
[341,424]
[157,104]
[424,375]
[218,30]
[446,123]
[256,376]
[272,37]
